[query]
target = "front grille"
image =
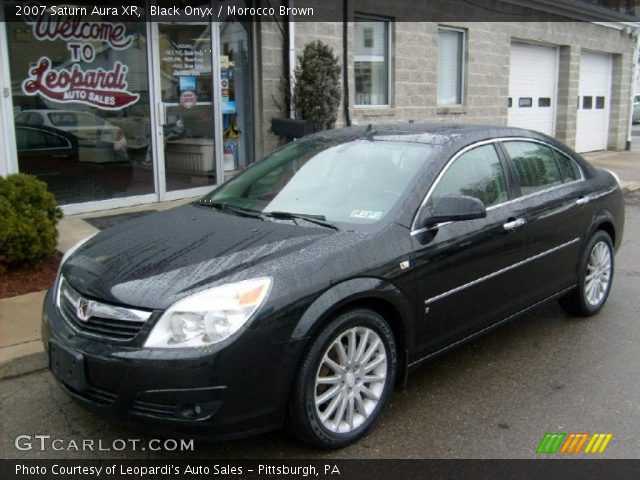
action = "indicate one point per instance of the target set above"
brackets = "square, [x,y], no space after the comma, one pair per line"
[99,319]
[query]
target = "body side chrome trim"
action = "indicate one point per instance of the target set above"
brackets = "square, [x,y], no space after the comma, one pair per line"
[489,327]
[481,143]
[499,272]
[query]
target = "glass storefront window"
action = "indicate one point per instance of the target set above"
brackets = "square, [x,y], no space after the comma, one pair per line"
[81,106]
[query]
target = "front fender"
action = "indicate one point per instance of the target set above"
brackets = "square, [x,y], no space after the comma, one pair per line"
[351,291]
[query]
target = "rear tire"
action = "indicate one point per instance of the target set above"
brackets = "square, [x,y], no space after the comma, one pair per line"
[595,278]
[345,380]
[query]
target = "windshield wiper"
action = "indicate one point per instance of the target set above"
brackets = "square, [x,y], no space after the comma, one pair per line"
[246,212]
[316,219]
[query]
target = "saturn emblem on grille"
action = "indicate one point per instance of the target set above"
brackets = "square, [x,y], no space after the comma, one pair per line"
[83,310]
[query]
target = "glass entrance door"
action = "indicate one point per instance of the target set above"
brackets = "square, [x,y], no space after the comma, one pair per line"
[185,107]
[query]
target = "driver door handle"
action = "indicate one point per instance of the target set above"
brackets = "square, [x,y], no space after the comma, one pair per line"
[512,225]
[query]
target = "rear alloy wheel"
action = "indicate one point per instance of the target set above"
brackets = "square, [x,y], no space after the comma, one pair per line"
[345,381]
[596,275]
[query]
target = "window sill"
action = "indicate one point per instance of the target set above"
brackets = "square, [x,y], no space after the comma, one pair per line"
[452,110]
[373,110]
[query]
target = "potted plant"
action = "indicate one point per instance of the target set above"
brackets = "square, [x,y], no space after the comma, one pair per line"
[316,93]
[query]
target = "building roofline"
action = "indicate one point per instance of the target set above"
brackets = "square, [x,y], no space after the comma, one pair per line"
[578,9]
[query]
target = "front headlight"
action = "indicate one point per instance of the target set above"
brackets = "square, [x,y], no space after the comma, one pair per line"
[210,316]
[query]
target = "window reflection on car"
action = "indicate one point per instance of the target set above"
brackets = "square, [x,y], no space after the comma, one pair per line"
[353,182]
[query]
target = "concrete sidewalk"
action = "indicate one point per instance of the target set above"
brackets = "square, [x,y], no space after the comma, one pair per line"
[21,350]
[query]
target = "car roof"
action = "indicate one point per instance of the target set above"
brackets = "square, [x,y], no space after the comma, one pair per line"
[432,133]
[55,110]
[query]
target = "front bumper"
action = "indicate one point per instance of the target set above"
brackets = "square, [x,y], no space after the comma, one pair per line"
[217,392]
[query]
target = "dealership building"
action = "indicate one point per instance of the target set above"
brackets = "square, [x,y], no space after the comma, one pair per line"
[118,113]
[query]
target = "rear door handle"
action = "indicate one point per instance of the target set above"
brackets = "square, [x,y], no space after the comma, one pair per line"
[517,223]
[583,200]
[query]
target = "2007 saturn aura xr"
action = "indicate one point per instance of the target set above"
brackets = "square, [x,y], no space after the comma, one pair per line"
[302,290]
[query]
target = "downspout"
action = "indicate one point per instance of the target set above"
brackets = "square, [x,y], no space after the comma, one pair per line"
[291,29]
[634,79]
[345,61]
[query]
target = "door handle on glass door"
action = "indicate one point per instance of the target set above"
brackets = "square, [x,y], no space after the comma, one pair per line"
[512,225]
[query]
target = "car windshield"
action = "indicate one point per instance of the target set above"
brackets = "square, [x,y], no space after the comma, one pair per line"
[358,181]
[73,119]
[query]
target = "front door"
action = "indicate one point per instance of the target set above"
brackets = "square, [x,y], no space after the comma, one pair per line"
[467,272]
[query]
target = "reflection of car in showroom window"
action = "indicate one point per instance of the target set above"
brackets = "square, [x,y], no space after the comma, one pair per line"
[47,152]
[636,109]
[98,140]
[53,156]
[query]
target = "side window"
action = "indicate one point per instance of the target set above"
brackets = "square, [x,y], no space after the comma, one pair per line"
[568,167]
[56,141]
[535,165]
[476,173]
[35,119]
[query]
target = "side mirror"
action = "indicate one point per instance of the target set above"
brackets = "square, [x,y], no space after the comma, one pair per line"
[453,209]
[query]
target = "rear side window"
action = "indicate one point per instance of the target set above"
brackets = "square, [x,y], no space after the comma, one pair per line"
[568,167]
[535,165]
[477,173]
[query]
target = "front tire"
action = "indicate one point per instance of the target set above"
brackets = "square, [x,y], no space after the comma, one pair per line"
[595,278]
[345,380]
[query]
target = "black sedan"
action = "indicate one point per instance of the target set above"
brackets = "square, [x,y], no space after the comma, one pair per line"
[304,289]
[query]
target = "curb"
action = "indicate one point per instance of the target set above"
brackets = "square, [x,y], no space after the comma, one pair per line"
[23,358]
[629,186]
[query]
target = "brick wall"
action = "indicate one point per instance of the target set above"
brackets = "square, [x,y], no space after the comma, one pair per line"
[414,66]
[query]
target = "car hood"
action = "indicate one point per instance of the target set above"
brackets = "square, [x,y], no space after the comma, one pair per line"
[153,261]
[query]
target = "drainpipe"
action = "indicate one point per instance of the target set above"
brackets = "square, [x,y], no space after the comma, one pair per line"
[634,79]
[291,58]
[345,61]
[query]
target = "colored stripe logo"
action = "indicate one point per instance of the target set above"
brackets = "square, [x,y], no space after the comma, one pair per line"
[573,443]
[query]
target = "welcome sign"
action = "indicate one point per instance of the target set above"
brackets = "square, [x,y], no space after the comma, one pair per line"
[104,89]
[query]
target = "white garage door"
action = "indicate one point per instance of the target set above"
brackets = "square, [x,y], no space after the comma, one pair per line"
[592,130]
[533,76]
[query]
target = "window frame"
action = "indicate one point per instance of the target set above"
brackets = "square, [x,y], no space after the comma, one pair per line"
[463,66]
[513,184]
[365,17]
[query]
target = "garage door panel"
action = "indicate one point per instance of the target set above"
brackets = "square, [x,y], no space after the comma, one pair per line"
[594,97]
[532,87]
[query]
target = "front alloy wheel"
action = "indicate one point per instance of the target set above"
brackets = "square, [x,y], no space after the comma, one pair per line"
[345,380]
[350,379]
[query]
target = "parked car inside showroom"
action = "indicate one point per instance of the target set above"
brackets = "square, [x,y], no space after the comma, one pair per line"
[301,291]
[98,140]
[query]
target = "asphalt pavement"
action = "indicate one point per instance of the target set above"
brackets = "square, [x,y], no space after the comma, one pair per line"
[493,398]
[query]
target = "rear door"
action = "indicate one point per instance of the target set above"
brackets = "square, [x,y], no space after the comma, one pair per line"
[552,201]
[465,273]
